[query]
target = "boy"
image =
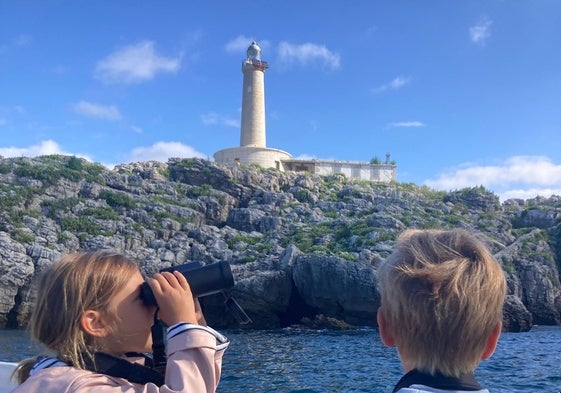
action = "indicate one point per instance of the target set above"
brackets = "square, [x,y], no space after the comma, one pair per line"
[442,295]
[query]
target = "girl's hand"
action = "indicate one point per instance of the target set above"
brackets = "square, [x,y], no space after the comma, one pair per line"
[199,312]
[174,297]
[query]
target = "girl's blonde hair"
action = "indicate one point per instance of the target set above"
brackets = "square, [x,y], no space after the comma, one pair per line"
[442,293]
[77,282]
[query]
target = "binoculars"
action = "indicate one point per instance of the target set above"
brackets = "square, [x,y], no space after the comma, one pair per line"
[203,280]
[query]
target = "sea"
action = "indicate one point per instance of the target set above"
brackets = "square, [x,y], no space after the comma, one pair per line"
[313,361]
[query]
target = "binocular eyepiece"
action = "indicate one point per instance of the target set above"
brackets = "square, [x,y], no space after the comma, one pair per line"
[203,280]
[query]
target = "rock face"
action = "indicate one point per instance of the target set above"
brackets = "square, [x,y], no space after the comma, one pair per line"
[339,288]
[304,249]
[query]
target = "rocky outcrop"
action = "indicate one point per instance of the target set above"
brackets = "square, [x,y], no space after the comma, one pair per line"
[337,287]
[304,249]
[533,276]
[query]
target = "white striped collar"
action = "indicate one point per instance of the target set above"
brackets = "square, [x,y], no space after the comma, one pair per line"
[222,341]
[46,362]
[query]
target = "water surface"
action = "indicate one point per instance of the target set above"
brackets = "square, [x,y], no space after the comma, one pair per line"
[304,361]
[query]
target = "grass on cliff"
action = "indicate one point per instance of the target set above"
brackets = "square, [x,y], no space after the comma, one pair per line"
[347,206]
[50,169]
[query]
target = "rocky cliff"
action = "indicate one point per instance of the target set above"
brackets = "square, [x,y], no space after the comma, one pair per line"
[303,248]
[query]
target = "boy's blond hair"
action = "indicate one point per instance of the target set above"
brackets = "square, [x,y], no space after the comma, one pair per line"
[442,295]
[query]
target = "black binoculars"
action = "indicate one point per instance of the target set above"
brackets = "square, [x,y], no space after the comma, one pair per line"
[204,280]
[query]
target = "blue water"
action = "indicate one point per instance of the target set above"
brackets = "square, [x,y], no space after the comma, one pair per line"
[303,361]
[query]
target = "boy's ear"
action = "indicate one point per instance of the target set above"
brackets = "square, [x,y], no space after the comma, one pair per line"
[92,323]
[385,334]
[492,341]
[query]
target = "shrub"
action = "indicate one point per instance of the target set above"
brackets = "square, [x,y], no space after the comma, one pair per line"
[46,174]
[74,163]
[93,173]
[186,163]
[117,199]
[164,172]
[197,191]
[102,213]
[249,240]
[8,202]
[23,237]
[53,206]
[80,224]
[4,167]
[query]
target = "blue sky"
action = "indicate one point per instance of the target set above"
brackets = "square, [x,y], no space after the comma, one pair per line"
[461,93]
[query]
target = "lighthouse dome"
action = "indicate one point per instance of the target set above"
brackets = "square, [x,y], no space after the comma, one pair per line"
[254,51]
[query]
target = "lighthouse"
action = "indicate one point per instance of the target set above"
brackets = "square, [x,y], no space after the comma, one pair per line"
[253,147]
[253,98]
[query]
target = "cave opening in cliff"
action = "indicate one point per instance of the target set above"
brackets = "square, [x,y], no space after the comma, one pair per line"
[12,315]
[296,310]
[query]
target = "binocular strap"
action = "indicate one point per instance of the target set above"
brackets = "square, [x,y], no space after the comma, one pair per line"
[103,363]
[159,357]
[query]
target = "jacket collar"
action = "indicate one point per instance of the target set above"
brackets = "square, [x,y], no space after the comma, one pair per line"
[113,366]
[465,382]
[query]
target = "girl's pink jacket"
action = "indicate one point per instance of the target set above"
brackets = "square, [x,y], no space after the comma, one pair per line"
[194,365]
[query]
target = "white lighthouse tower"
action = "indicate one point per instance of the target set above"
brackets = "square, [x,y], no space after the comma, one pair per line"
[253,98]
[253,148]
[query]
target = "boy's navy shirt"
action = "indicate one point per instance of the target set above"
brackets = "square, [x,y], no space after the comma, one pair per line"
[415,377]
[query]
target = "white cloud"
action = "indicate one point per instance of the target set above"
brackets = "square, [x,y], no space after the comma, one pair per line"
[135,63]
[529,193]
[59,69]
[19,41]
[136,129]
[213,118]
[9,110]
[308,53]
[527,176]
[306,157]
[209,119]
[162,151]
[22,40]
[407,124]
[395,84]
[44,148]
[371,30]
[314,125]
[481,31]
[231,123]
[90,109]
[242,42]
[159,151]
[238,44]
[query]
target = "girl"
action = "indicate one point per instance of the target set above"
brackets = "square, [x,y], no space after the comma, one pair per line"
[89,312]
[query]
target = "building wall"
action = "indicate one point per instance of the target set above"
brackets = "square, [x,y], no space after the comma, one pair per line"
[352,170]
[265,157]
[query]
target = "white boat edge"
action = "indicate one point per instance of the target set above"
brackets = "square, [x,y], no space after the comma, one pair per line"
[6,369]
